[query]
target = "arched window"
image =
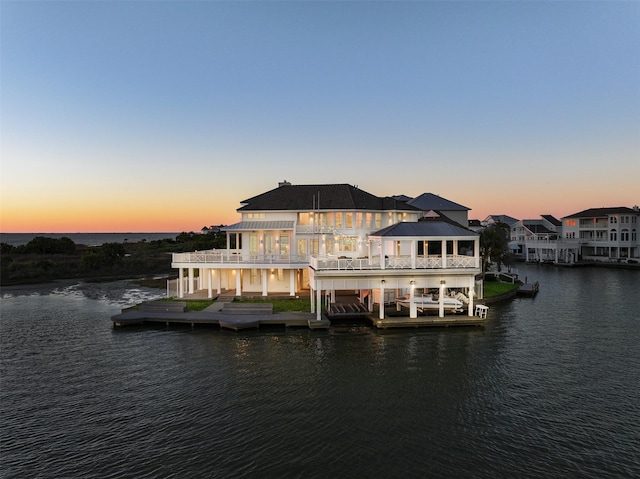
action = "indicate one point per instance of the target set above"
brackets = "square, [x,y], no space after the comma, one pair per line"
[613,235]
[624,235]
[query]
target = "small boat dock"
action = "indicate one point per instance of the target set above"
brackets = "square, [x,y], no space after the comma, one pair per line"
[528,289]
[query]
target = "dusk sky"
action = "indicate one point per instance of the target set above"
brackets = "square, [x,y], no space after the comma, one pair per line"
[162,116]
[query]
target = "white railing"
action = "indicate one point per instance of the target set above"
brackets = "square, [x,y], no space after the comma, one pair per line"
[236,257]
[393,262]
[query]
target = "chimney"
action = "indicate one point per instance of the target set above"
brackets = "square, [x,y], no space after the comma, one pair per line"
[284,183]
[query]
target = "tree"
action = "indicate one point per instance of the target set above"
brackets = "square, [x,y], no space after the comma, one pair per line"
[494,245]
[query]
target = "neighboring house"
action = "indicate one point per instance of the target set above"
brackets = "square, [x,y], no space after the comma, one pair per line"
[603,234]
[475,225]
[529,237]
[326,238]
[493,219]
[442,206]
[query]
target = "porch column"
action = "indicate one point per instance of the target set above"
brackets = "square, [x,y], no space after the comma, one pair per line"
[382,261]
[476,251]
[441,299]
[413,310]
[311,300]
[472,293]
[219,275]
[209,283]
[413,254]
[190,285]
[381,314]
[238,286]
[444,253]
[180,283]
[265,278]
[292,282]
[319,304]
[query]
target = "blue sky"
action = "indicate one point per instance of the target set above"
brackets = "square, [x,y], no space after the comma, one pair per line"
[142,116]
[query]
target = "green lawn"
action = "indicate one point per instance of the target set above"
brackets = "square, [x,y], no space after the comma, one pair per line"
[495,288]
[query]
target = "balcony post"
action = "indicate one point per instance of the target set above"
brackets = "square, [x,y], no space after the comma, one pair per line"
[209,283]
[444,254]
[381,312]
[190,280]
[180,283]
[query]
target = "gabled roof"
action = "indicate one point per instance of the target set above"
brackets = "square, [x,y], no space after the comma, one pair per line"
[431,228]
[429,201]
[502,219]
[259,225]
[289,197]
[552,219]
[602,212]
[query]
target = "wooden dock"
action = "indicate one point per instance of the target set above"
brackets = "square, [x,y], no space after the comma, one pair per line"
[234,316]
[528,289]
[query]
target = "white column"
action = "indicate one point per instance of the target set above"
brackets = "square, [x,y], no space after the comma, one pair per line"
[413,310]
[238,282]
[476,251]
[180,283]
[381,314]
[292,282]
[312,300]
[319,308]
[414,247]
[441,300]
[219,275]
[209,283]
[444,253]
[265,278]
[191,279]
[382,261]
[472,293]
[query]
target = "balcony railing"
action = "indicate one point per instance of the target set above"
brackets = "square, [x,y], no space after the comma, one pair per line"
[392,263]
[237,257]
[339,263]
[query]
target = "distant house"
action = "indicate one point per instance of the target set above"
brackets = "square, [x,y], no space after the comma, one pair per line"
[322,239]
[493,219]
[531,236]
[603,234]
[429,202]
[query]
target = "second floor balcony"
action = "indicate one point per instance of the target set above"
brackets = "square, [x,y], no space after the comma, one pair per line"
[235,258]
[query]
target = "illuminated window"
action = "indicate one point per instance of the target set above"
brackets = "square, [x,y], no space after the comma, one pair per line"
[570,222]
[303,219]
[314,246]
[284,245]
[253,243]
[368,220]
[280,274]
[302,246]
[378,220]
[358,220]
[338,220]
[268,245]
[347,243]
[348,221]
[254,277]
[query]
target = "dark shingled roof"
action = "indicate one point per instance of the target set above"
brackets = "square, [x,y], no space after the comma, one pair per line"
[553,220]
[600,212]
[538,229]
[429,201]
[289,197]
[424,228]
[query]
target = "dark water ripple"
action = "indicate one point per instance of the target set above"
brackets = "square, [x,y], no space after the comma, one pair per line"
[549,388]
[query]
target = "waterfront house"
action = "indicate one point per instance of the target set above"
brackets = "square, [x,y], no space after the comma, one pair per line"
[602,234]
[322,239]
[536,238]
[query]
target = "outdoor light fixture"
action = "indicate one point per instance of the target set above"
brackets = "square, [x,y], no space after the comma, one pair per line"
[382,282]
[442,281]
[413,283]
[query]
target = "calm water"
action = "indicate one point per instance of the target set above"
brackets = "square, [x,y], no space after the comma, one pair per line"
[88,239]
[549,388]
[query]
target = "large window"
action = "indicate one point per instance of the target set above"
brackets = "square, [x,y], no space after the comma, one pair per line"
[339,220]
[613,235]
[348,220]
[303,219]
[368,220]
[378,220]
[569,222]
[302,246]
[624,235]
[253,243]
[269,244]
[359,220]
[347,243]
[284,245]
